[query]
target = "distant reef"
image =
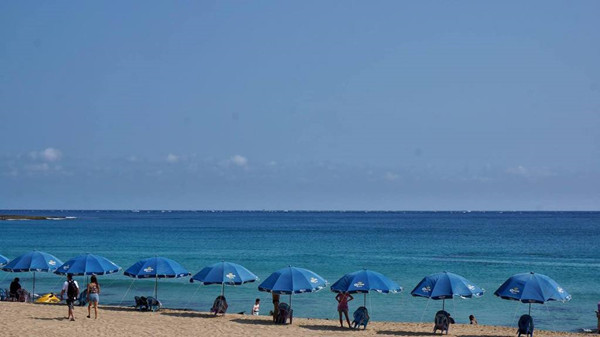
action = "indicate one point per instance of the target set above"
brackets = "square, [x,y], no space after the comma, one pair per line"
[29,217]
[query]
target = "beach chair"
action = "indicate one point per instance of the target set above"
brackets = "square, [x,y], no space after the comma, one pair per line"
[441,322]
[153,304]
[219,305]
[361,317]
[82,299]
[3,294]
[141,303]
[284,312]
[525,326]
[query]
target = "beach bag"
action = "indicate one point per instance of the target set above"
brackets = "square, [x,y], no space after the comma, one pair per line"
[72,290]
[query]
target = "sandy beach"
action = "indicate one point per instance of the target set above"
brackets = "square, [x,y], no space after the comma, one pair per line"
[23,319]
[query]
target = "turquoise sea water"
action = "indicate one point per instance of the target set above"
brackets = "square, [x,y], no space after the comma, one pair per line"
[485,247]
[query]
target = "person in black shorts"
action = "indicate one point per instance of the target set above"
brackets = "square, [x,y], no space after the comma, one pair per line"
[72,289]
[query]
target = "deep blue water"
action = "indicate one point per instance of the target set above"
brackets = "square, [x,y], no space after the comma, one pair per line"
[485,247]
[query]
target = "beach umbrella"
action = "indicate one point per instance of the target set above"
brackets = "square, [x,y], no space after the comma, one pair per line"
[445,285]
[224,273]
[34,261]
[364,281]
[292,280]
[156,267]
[3,260]
[88,264]
[532,288]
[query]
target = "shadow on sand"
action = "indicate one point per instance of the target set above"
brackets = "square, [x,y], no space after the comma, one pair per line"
[324,327]
[406,333]
[51,318]
[189,314]
[110,308]
[253,321]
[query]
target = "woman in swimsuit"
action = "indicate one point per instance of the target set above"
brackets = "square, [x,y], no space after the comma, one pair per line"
[343,299]
[93,292]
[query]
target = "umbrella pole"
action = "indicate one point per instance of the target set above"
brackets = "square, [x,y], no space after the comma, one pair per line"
[291,301]
[365,300]
[33,291]
[156,286]
[223,289]
[443,304]
[529,309]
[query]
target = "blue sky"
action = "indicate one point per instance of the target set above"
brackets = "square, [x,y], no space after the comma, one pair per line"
[394,105]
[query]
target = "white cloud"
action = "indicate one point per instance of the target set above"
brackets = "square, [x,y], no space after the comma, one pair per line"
[519,170]
[238,160]
[38,167]
[391,176]
[535,172]
[49,154]
[171,158]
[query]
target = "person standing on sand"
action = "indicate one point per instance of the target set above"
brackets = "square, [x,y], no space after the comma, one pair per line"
[93,295]
[72,289]
[343,299]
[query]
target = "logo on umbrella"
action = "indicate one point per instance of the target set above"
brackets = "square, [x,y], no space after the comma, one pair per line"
[471,287]
[313,280]
[560,290]
[66,267]
[426,289]
[52,262]
[148,269]
[230,276]
[515,290]
[359,284]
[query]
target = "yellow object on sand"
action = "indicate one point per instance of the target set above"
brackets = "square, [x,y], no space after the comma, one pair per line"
[48,298]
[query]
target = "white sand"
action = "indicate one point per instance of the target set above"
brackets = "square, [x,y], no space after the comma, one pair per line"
[24,319]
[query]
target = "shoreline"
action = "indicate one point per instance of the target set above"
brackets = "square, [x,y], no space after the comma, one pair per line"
[50,320]
[13,217]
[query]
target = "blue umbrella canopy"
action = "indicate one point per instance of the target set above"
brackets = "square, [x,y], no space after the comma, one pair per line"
[292,280]
[88,264]
[156,267]
[446,285]
[363,281]
[34,261]
[3,260]
[224,273]
[532,288]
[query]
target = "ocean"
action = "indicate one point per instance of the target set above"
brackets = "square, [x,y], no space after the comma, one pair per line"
[484,247]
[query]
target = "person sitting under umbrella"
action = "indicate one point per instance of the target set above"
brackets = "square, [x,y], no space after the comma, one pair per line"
[15,286]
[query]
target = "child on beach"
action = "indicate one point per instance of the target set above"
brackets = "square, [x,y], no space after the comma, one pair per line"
[343,299]
[472,320]
[256,307]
